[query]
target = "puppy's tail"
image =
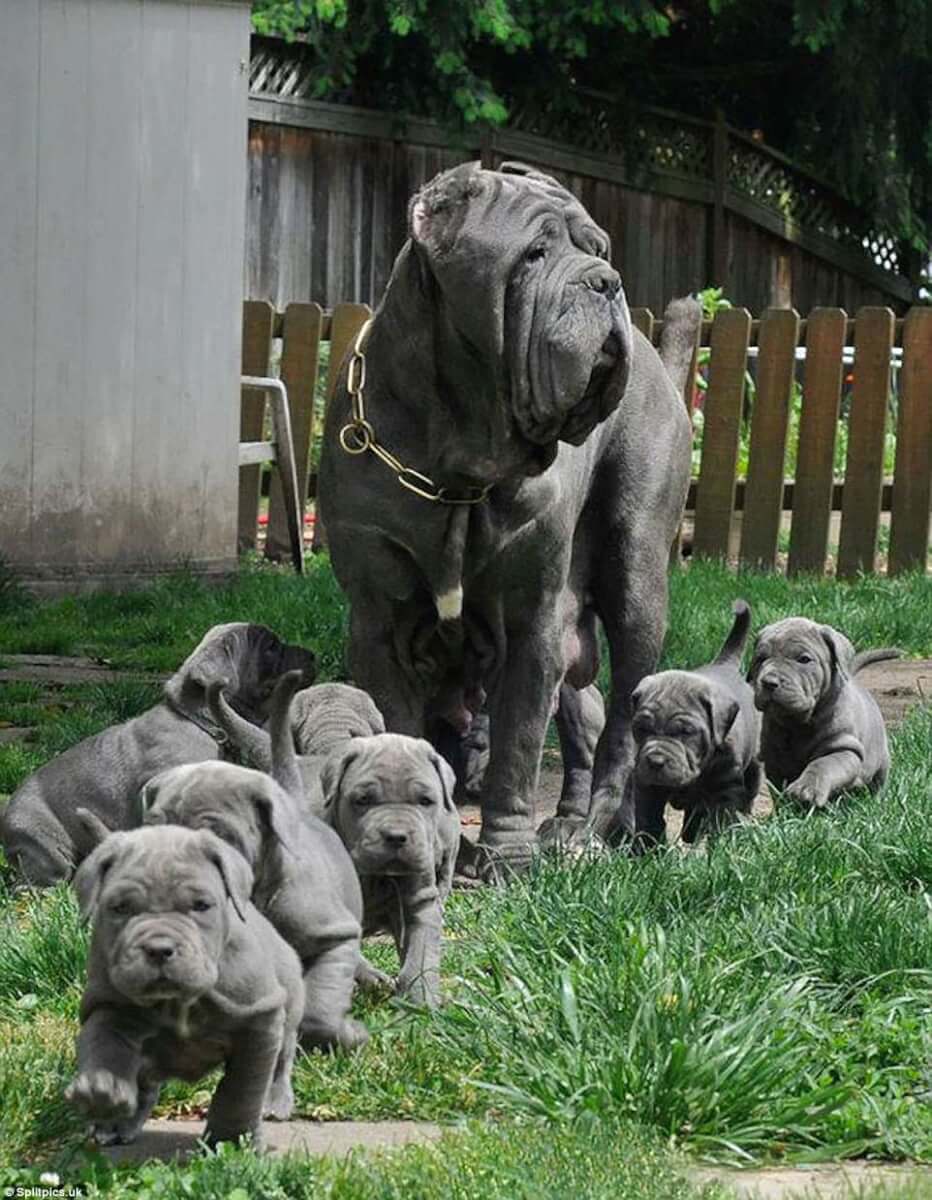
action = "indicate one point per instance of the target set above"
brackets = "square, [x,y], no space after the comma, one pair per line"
[284,767]
[681,324]
[246,737]
[733,646]
[866,657]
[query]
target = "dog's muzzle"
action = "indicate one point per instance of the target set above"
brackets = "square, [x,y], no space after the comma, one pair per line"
[159,960]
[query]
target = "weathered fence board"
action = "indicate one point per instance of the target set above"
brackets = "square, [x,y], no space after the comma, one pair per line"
[860,513]
[302,328]
[815,475]
[912,487]
[763,505]
[258,318]
[727,365]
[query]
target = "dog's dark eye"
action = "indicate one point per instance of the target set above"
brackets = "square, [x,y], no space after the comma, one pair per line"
[425,801]
[684,727]
[365,800]
[201,906]
[804,658]
[536,253]
[121,908]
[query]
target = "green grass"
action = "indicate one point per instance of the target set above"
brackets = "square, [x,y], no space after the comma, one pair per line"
[768,1000]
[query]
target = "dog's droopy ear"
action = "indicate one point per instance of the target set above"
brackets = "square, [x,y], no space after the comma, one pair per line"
[235,871]
[271,807]
[758,658]
[437,210]
[840,651]
[91,874]
[722,712]
[447,778]
[333,770]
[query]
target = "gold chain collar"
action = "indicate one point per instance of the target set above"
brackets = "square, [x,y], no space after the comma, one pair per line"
[357,436]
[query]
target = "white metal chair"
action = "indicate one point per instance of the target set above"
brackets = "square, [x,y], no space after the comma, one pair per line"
[279,452]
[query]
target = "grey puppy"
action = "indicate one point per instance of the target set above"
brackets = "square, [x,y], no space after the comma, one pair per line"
[304,880]
[184,975]
[39,828]
[322,719]
[503,370]
[390,798]
[697,735]
[822,731]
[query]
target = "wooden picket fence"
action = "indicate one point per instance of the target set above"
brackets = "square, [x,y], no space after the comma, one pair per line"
[765,498]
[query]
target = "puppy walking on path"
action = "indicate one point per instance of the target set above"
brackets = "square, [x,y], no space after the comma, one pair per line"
[184,975]
[696,735]
[822,731]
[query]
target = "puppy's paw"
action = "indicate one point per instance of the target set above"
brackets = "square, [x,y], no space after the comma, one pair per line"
[806,793]
[114,1133]
[371,979]
[252,1136]
[279,1104]
[101,1094]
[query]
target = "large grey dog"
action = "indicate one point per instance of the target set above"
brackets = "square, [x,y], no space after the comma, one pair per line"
[516,467]
[184,975]
[822,731]
[40,828]
[390,798]
[318,721]
[304,879]
[697,735]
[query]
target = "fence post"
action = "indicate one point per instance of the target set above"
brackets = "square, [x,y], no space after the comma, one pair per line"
[258,318]
[718,248]
[715,498]
[818,426]
[912,478]
[860,507]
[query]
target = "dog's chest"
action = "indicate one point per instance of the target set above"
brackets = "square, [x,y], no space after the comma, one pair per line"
[188,1041]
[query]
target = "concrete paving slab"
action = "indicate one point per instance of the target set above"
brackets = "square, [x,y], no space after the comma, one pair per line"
[849,1181]
[179,1139]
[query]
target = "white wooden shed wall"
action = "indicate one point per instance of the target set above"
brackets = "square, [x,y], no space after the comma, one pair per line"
[122,196]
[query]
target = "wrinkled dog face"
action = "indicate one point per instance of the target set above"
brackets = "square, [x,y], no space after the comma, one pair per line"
[537,295]
[679,720]
[796,662]
[326,716]
[161,900]
[234,803]
[247,661]
[389,793]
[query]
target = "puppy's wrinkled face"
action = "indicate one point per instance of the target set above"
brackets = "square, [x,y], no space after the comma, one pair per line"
[324,717]
[672,727]
[190,796]
[161,914]
[793,667]
[389,799]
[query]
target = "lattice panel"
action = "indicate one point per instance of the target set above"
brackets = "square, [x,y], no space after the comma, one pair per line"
[678,149]
[287,76]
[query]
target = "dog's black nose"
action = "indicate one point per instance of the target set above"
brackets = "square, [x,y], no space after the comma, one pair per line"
[159,950]
[603,279]
[395,839]
[770,684]
[655,759]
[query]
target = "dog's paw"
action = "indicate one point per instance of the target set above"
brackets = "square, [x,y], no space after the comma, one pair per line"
[557,833]
[371,979]
[279,1104]
[353,1033]
[113,1133]
[806,793]
[102,1094]
[499,859]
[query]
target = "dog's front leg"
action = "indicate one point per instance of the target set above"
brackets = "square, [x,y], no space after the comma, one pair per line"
[239,1100]
[825,777]
[106,1086]
[417,926]
[328,990]
[519,709]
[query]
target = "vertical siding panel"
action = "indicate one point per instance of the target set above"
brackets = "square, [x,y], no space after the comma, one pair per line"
[912,482]
[763,502]
[815,474]
[61,265]
[860,513]
[19,138]
[715,499]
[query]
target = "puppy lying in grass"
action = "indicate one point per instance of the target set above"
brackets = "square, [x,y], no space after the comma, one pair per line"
[40,830]
[305,882]
[822,731]
[184,975]
[696,735]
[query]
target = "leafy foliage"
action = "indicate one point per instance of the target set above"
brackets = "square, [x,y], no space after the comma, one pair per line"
[842,85]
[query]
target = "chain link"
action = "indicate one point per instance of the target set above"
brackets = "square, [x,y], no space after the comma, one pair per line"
[357,436]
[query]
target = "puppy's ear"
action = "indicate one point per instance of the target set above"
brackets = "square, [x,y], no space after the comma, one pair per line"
[722,711]
[840,651]
[758,658]
[331,775]
[234,870]
[91,874]
[272,811]
[97,829]
[447,778]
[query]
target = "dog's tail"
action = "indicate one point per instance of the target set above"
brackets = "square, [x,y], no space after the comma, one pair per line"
[246,737]
[866,657]
[98,830]
[733,646]
[681,324]
[284,767]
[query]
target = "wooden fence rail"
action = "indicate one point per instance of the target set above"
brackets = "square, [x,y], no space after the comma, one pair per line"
[784,352]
